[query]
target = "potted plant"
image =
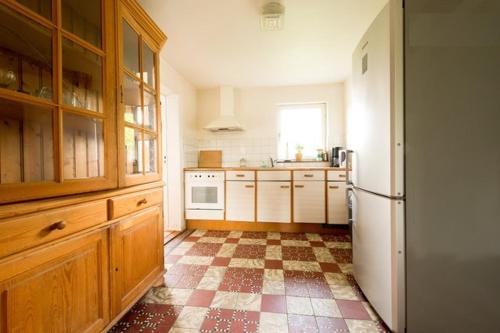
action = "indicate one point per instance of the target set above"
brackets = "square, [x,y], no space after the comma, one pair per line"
[298,152]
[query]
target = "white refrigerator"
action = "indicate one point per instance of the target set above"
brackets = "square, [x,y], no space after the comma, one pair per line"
[375,139]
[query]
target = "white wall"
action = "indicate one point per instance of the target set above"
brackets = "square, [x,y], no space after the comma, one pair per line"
[256,109]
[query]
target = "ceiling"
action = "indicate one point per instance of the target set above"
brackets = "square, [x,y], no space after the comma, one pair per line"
[219,42]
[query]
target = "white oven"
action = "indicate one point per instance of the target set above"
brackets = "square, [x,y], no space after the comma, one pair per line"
[204,191]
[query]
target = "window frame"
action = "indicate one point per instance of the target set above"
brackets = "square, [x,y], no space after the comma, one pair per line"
[324,128]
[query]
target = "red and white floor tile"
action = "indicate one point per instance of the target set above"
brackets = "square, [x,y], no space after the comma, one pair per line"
[221,281]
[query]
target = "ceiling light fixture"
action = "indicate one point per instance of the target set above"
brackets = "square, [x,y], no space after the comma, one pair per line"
[272,16]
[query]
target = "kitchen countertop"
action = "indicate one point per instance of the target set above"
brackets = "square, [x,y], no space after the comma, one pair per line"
[265,169]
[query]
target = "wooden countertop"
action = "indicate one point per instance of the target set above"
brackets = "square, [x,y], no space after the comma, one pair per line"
[266,169]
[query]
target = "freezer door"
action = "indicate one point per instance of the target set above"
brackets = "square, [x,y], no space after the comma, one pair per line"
[378,254]
[375,120]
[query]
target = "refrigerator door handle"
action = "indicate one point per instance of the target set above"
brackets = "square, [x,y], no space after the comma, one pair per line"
[348,167]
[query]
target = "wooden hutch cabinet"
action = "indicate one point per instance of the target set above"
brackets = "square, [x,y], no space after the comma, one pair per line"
[80,180]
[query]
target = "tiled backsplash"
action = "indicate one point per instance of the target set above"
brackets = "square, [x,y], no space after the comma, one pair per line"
[256,151]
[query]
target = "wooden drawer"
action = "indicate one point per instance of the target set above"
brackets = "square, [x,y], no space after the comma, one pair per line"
[28,231]
[240,175]
[336,176]
[130,203]
[274,175]
[309,175]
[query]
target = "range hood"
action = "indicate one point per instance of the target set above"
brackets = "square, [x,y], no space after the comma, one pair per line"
[226,121]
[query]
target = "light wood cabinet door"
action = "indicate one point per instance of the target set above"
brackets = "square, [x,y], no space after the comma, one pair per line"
[309,202]
[337,209]
[61,288]
[136,256]
[274,202]
[240,201]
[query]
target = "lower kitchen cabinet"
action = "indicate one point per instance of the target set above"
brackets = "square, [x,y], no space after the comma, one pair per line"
[136,256]
[274,201]
[59,288]
[309,201]
[337,209]
[240,201]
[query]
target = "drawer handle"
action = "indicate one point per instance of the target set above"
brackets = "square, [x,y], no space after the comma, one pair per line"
[299,186]
[308,175]
[285,186]
[240,176]
[60,225]
[342,176]
[334,187]
[142,202]
[249,186]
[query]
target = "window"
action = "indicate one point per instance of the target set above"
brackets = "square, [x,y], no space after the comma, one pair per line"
[301,125]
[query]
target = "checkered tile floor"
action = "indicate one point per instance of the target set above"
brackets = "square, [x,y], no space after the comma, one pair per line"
[221,281]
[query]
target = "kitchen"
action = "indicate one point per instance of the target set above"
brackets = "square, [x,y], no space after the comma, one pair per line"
[249,166]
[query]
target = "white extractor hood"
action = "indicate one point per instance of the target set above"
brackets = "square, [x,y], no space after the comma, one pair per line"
[226,121]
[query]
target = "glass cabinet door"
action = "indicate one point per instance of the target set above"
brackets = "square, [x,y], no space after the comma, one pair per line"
[140,105]
[56,123]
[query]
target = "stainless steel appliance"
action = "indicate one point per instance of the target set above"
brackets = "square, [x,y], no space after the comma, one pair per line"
[376,143]
[204,195]
[425,225]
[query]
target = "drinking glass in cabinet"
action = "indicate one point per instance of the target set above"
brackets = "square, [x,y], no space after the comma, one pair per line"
[133,151]
[83,147]
[83,18]
[132,100]
[82,77]
[130,49]
[25,55]
[148,66]
[149,110]
[150,151]
[26,143]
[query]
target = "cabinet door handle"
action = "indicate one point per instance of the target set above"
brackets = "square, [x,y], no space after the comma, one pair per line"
[341,176]
[285,186]
[142,202]
[249,186]
[308,175]
[299,186]
[240,176]
[60,225]
[333,187]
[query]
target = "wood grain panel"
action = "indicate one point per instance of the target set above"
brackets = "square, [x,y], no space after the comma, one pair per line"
[65,290]
[269,226]
[133,202]
[137,256]
[24,232]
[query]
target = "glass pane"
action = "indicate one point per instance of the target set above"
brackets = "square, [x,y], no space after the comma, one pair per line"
[133,151]
[150,153]
[83,147]
[82,77]
[204,194]
[132,100]
[130,49]
[26,144]
[25,55]
[148,65]
[83,18]
[42,7]
[149,110]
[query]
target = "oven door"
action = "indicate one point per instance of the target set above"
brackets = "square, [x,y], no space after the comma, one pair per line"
[205,196]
